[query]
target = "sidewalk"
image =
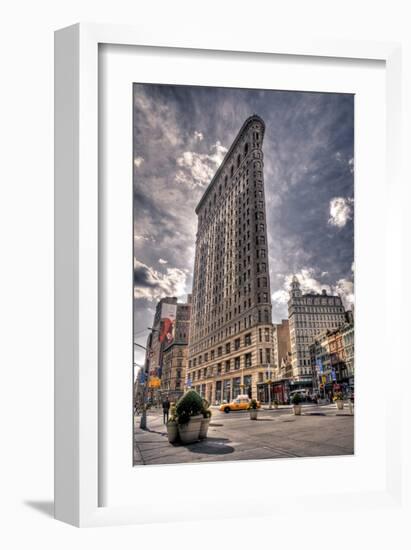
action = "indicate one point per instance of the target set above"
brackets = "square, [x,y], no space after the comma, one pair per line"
[319,431]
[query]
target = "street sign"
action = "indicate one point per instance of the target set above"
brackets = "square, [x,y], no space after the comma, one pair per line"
[154,382]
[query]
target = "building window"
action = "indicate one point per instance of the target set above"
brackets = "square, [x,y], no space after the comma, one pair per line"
[237,343]
[227,347]
[227,366]
[237,363]
[247,339]
[267,334]
[248,360]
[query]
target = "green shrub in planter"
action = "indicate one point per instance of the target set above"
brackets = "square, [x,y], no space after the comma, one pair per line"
[253,404]
[191,404]
[296,399]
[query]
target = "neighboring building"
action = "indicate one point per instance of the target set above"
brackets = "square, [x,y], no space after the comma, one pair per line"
[175,355]
[139,387]
[155,348]
[332,358]
[309,315]
[164,363]
[230,347]
[282,349]
[348,342]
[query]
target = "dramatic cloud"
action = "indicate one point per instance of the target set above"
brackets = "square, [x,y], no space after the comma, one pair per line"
[340,211]
[150,284]
[310,283]
[345,289]
[183,133]
[138,161]
[197,169]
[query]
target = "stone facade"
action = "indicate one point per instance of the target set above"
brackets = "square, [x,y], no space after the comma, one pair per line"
[310,315]
[175,356]
[332,356]
[282,350]
[231,345]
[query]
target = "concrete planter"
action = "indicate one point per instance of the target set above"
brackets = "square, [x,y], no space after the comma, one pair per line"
[205,422]
[340,404]
[297,410]
[172,431]
[190,432]
[253,414]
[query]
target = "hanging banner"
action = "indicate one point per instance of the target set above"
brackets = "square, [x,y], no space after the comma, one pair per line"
[168,321]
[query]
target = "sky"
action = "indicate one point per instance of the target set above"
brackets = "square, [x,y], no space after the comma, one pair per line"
[180,137]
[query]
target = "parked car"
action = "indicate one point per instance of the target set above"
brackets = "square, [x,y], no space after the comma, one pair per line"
[240,403]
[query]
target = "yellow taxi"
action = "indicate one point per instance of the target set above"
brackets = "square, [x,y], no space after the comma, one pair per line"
[240,403]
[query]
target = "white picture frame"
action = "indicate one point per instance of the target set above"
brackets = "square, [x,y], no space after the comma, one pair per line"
[77,229]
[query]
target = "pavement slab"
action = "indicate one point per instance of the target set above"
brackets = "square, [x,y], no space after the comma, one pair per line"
[277,433]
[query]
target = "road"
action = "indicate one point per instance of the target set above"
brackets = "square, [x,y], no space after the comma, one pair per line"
[319,431]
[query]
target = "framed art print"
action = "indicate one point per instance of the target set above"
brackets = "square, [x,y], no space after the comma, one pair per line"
[243,273]
[216,265]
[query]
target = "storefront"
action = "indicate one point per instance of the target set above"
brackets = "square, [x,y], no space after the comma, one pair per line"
[236,387]
[226,390]
[279,391]
[248,385]
[218,386]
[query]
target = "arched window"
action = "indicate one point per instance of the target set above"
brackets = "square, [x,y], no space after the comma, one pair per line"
[225,181]
[246,149]
[238,160]
[232,171]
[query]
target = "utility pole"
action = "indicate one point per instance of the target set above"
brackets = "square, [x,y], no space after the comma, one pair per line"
[143,419]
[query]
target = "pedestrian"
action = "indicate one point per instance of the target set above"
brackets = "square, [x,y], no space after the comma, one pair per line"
[166,408]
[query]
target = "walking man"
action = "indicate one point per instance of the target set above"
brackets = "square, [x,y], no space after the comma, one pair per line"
[166,408]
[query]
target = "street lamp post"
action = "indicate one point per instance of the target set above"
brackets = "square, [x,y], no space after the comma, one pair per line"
[143,419]
[242,379]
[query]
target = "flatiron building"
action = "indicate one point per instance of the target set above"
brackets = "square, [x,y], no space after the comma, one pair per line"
[231,344]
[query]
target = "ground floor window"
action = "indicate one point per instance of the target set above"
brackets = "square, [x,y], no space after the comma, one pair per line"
[236,387]
[247,385]
[227,390]
[218,391]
